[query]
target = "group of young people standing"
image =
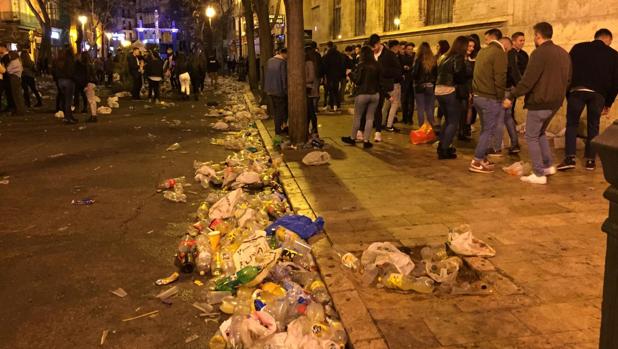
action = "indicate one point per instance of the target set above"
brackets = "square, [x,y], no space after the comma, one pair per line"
[467,80]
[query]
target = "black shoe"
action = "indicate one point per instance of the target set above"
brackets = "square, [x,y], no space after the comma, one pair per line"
[69,121]
[590,165]
[348,140]
[367,145]
[514,150]
[567,164]
[448,154]
[92,119]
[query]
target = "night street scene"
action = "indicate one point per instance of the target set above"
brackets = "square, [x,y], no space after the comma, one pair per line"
[317,174]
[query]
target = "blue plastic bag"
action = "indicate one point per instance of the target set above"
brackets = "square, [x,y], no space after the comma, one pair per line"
[301,225]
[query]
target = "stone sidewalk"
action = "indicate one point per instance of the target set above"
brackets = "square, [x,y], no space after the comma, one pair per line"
[549,245]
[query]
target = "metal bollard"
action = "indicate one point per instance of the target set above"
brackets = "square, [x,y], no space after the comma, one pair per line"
[607,146]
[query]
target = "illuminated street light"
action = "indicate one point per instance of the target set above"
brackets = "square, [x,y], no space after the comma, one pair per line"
[397,22]
[210,13]
[339,36]
[83,20]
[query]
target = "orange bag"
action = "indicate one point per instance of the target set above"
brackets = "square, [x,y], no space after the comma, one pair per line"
[423,135]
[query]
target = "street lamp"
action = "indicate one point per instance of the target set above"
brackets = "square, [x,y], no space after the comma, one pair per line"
[397,22]
[210,13]
[83,20]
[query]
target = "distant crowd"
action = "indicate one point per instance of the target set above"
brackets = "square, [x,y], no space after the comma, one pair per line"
[466,80]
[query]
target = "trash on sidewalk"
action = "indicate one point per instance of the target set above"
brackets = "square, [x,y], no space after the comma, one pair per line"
[423,135]
[462,242]
[83,202]
[149,314]
[518,168]
[104,337]
[316,158]
[173,147]
[112,102]
[104,110]
[119,292]
[59,114]
[168,280]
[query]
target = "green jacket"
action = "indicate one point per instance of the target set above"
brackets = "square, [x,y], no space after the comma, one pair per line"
[490,72]
[546,79]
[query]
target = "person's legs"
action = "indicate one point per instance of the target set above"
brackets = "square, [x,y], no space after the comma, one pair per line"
[489,111]
[18,98]
[333,92]
[341,95]
[137,86]
[420,108]
[26,90]
[82,93]
[511,129]
[372,105]
[452,112]
[90,95]
[594,108]
[278,106]
[498,134]
[405,102]
[157,90]
[540,153]
[575,106]
[360,106]
[396,95]
[377,121]
[430,101]
[150,89]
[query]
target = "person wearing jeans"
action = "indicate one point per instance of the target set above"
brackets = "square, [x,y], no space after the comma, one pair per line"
[276,87]
[424,74]
[506,121]
[488,85]
[392,105]
[425,101]
[545,85]
[595,86]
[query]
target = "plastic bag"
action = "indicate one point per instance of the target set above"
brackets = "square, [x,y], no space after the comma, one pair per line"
[248,177]
[316,158]
[518,168]
[59,114]
[104,110]
[380,253]
[301,225]
[444,271]
[257,326]
[220,125]
[462,242]
[224,208]
[423,135]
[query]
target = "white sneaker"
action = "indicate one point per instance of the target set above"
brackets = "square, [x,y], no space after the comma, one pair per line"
[335,108]
[377,137]
[359,136]
[534,179]
[550,171]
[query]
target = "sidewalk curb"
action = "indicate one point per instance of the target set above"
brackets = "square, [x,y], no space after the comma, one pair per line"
[362,331]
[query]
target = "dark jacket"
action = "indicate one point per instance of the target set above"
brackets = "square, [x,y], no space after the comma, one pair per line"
[29,68]
[213,66]
[367,78]
[513,74]
[333,64]
[276,77]
[133,65]
[422,76]
[451,71]
[546,79]
[64,69]
[391,72]
[154,67]
[521,60]
[182,65]
[406,60]
[80,75]
[490,72]
[595,67]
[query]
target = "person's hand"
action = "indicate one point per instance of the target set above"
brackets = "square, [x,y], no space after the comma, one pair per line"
[506,104]
[605,111]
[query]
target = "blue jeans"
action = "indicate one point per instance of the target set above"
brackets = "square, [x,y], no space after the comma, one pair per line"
[489,110]
[538,146]
[451,106]
[508,121]
[364,105]
[424,105]
[67,89]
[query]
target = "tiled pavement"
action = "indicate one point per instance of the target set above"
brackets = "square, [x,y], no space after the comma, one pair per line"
[548,241]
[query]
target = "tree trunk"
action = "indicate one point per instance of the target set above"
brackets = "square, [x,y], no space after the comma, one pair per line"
[297,93]
[266,38]
[249,28]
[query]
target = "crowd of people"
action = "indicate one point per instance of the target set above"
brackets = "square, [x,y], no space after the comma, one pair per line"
[17,81]
[458,82]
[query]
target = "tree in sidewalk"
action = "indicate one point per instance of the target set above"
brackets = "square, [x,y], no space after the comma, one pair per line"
[297,93]
[39,9]
[101,13]
[261,8]
[249,31]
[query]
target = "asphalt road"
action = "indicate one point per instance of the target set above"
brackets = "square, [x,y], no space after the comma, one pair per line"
[60,261]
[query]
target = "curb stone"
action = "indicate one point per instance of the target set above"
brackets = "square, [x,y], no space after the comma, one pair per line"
[360,326]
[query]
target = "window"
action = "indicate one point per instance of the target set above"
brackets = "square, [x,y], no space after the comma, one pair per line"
[337,19]
[360,14]
[439,12]
[392,11]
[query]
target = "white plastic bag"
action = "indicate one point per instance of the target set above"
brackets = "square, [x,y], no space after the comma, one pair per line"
[444,270]
[220,125]
[379,254]
[248,177]
[461,241]
[316,158]
[59,114]
[224,208]
[104,110]
[518,168]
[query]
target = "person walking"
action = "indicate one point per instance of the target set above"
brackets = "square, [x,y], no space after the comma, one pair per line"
[406,59]
[109,70]
[450,80]
[80,78]
[276,87]
[212,68]
[334,71]
[197,73]
[5,59]
[506,120]
[442,47]
[154,73]
[366,76]
[182,69]
[424,74]
[488,85]
[521,59]
[28,82]
[313,92]
[594,86]
[14,69]
[393,102]
[544,84]
[64,66]
[91,82]
[136,71]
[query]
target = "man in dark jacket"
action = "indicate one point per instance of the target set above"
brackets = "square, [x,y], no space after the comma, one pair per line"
[520,57]
[135,69]
[333,63]
[594,86]
[544,84]
[406,59]
[276,87]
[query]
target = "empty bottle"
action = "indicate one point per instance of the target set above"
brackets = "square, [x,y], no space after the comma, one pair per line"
[203,262]
[407,283]
[185,257]
[243,276]
[319,292]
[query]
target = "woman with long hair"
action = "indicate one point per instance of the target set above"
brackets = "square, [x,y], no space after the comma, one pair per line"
[154,74]
[366,77]
[450,91]
[465,124]
[441,49]
[28,82]
[64,66]
[424,73]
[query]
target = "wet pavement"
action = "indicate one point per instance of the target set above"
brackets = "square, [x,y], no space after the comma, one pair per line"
[59,261]
[550,248]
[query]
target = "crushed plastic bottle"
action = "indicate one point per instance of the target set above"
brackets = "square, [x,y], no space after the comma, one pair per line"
[318,291]
[185,257]
[348,259]
[243,276]
[177,195]
[171,182]
[408,283]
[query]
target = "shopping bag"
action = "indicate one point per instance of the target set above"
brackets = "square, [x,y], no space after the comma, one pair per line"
[423,135]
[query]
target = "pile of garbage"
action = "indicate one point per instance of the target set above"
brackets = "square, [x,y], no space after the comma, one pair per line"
[251,253]
[435,269]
